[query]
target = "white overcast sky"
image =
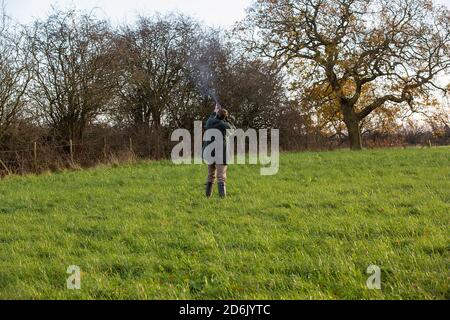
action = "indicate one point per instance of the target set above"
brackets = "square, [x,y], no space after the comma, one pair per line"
[219,13]
[212,12]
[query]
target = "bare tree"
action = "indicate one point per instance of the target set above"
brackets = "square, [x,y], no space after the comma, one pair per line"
[73,71]
[152,58]
[253,92]
[14,72]
[396,47]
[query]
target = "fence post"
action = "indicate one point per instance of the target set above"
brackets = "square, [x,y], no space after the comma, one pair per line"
[131,145]
[35,154]
[104,147]
[71,150]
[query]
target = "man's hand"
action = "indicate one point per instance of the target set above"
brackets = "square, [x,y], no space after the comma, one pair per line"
[217,108]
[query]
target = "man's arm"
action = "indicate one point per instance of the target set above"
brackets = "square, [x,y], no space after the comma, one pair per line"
[214,114]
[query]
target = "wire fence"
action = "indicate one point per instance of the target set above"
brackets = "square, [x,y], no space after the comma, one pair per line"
[44,156]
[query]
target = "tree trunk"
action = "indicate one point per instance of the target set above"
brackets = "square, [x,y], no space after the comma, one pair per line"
[353,127]
[354,135]
[157,137]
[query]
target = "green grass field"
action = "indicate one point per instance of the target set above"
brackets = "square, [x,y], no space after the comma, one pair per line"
[145,231]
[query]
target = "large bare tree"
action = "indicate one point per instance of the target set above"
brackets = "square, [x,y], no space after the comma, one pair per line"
[14,73]
[152,58]
[369,54]
[73,71]
[251,89]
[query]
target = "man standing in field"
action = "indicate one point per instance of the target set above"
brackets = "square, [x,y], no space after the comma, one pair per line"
[218,168]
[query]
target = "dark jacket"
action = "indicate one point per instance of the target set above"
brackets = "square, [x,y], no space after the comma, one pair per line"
[214,123]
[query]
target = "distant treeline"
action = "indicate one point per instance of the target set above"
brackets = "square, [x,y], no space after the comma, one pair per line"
[75,90]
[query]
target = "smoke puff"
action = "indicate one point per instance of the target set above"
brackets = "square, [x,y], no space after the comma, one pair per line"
[204,79]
